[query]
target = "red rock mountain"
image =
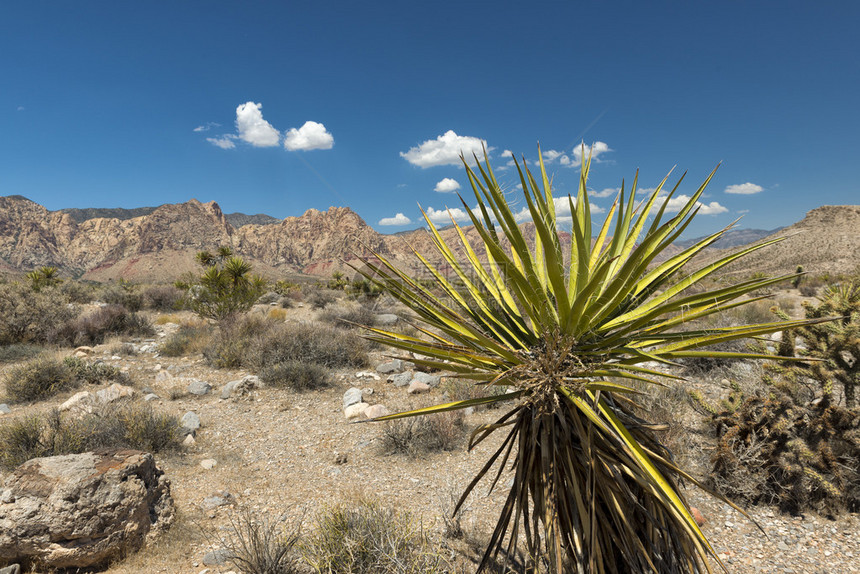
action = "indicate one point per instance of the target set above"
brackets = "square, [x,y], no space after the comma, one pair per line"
[161,245]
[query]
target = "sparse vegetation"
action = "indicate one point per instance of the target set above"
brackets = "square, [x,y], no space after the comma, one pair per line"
[44,277]
[52,434]
[366,537]
[295,375]
[189,339]
[256,545]
[421,435]
[29,316]
[92,328]
[162,298]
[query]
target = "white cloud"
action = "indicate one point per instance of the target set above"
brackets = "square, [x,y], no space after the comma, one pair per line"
[443,216]
[447,185]
[253,128]
[444,150]
[398,219]
[744,188]
[21,108]
[312,135]
[224,142]
[679,201]
[597,149]
[607,192]
[206,127]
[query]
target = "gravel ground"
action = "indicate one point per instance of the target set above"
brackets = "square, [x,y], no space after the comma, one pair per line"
[280,452]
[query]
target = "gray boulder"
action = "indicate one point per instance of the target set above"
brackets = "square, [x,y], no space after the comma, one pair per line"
[391,366]
[190,422]
[241,387]
[4,409]
[352,396]
[400,379]
[385,319]
[199,388]
[82,510]
[430,380]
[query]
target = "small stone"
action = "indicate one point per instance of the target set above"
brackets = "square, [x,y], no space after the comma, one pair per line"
[390,367]
[216,557]
[113,393]
[149,397]
[163,376]
[4,409]
[189,440]
[13,569]
[401,379]
[367,375]
[431,380]
[417,387]
[354,411]
[351,397]
[340,458]
[190,422]
[376,411]
[83,351]
[208,463]
[199,388]
[216,500]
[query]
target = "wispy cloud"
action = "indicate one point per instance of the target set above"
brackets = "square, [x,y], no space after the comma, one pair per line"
[744,189]
[207,126]
[224,142]
[398,219]
[253,128]
[444,150]
[312,135]
[679,201]
[574,158]
[447,185]
[21,108]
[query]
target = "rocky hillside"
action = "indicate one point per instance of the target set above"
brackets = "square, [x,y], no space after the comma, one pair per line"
[160,244]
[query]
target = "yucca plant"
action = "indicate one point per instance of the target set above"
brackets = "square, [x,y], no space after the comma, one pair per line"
[566,334]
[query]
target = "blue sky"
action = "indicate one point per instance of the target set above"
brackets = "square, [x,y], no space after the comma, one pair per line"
[278,107]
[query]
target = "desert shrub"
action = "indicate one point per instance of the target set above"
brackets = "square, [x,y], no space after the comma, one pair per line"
[772,450]
[420,435]
[365,537]
[44,277]
[284,288]
[349,317]
[187,340]
[123,293]
[321,298]
[17,352]
[295,375]
[39,379]
[257,545]
[76,292]
[123,349]
[92,328]
[125,426]
[268,298]
[230,346]
[162,298]
[45,377]
[169,318]
[30,316]
[307,343]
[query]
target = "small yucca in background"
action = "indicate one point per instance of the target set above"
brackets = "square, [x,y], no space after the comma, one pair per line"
[563,335]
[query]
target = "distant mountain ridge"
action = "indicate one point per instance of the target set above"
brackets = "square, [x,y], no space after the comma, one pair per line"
[158,244]
[732,238]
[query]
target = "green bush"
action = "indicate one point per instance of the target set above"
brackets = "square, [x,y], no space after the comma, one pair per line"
[295,375]
[125,426]
[365,537]
[123,293]
[225,288]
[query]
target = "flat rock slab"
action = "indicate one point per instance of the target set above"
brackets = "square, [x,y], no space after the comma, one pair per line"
[82,510]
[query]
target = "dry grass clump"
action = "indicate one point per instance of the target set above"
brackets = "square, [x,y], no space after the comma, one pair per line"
[295,375]
[258,545]
[416,436]
[365,537]
[348,317]
[44,377]
[320,298]
[51,434]
[17,352]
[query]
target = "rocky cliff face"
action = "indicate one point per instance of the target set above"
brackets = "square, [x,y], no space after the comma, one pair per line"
[160,245]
